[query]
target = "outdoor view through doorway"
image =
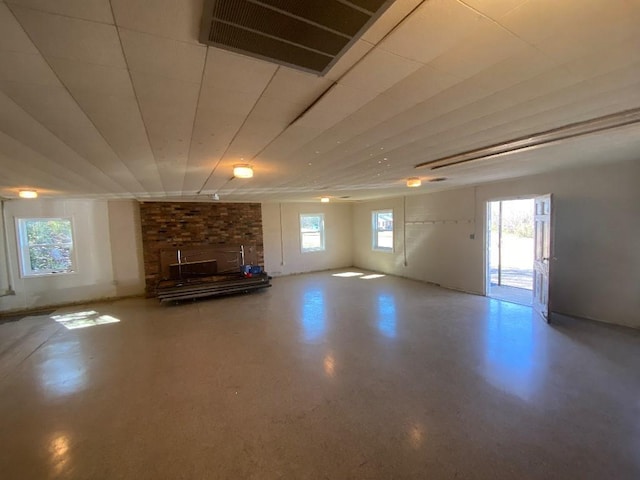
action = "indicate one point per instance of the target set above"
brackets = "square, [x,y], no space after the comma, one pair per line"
[510,233]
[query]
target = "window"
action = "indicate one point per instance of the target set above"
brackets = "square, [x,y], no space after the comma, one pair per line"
[382,223]
[312,232]
[46,245]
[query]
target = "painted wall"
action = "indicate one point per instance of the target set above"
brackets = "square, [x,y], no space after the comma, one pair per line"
[94,274]
[596,273]
[126,247]
[281,229]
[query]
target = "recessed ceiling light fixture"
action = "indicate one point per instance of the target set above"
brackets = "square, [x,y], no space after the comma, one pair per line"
[28,194]
[242,171]
[325,199]
[413,182]
[594,125]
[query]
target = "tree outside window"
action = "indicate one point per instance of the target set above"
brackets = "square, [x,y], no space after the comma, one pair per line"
[46,245]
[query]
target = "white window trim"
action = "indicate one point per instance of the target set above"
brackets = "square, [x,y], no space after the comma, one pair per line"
[374,232]
[25,269]
[322,248]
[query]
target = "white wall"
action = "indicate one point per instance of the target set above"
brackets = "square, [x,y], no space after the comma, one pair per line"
[597,214]
[126,247]
[104,268]
[281,230]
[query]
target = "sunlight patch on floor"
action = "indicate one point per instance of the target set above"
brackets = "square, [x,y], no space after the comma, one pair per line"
[91,318]
[348,274]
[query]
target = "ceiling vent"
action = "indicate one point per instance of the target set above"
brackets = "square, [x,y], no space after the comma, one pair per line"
[310,35]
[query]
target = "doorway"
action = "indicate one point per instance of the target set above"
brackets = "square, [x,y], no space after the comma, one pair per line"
[510,253]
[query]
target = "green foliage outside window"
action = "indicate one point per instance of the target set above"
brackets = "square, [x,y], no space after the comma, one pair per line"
[49,243]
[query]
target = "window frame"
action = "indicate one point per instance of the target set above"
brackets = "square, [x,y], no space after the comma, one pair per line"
[375,245]
[322,247]
[23,248]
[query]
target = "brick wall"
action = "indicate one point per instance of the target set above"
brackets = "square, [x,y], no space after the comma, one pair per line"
[182,224]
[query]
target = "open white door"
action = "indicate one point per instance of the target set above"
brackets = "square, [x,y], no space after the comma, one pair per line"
[542,255]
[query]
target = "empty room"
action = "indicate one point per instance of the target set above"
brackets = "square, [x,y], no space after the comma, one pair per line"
[320,239]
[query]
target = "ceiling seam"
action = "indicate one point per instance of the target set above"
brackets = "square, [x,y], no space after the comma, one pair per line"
[135,94]
[155,35]
[235,135]
[56,14]
[511,32]
[63,179]
[195,115]
[81,109]
[475,119]
[437,134]
[56,138]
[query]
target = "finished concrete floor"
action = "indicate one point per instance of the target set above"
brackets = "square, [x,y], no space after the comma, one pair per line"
[319,377]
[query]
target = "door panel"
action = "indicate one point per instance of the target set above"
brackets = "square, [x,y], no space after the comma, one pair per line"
[542,254]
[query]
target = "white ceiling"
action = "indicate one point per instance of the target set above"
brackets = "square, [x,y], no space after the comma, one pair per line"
[118,99]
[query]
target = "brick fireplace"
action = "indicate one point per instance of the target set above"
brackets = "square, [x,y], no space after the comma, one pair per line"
[183,225]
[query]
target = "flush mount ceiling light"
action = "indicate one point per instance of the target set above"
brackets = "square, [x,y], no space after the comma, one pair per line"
[413,182]
[28,194]
[242,171]
[325,199]
[537,140]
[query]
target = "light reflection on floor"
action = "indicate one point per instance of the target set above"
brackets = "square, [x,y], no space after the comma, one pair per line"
[510,349]
[63,372]
[387,318]
[59,453]
[314,316]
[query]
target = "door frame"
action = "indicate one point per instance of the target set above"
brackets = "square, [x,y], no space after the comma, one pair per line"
[485,236]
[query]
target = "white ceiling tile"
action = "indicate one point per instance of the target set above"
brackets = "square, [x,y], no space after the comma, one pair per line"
[396,12]
[338,103]
[579,39]
[17,124]
[26,68]
[487,45]
[89,77]
[168,108]
[535,21]
[119,121]
[288,142]
[236,73]
[603,60]
[420,86]
[294,86]
[219,117]
[39,169]
[179,20]
[494,8]
[94,10]
[12,35]
[356,52]
[54,108]
[378,71]
[163,57]
[435,27]
[225,102]
[64,37]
